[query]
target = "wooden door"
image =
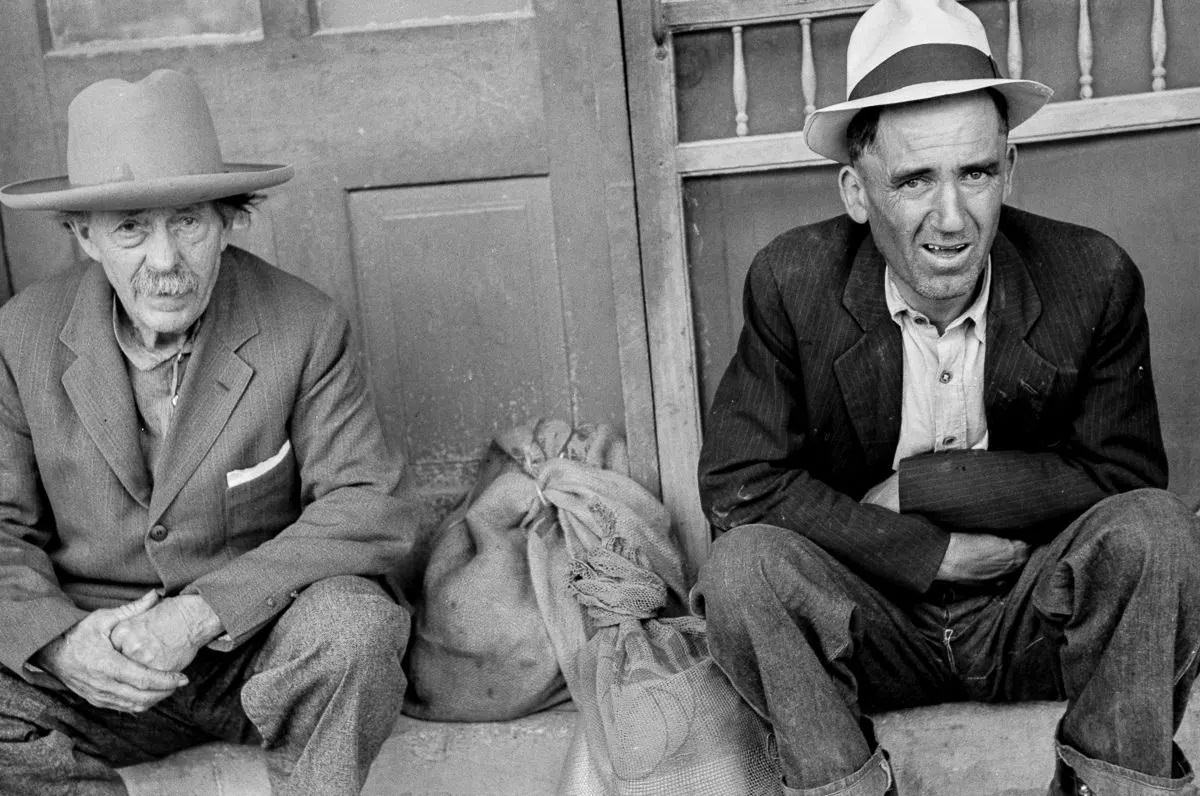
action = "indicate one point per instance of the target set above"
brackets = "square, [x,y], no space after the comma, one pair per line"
[463,189]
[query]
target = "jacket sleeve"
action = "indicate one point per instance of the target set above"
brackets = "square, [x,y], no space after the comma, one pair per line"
[1109,441]
[351,523]
[34,610]
[755,443]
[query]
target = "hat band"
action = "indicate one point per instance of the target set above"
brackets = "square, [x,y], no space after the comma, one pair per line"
[926,63]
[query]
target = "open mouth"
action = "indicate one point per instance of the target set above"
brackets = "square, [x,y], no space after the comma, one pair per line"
[945,251]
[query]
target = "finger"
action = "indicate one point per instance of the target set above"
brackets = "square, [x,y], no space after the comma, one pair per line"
[130,673]
[107,619]
[119,636]
[128,701]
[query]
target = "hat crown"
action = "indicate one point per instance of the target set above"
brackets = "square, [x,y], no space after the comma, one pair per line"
[891,26]
[158,127]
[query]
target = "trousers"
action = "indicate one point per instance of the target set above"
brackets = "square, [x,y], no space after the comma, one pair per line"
[320,690]
[1105,616]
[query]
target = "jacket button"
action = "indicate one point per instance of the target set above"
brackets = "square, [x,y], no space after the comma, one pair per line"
[158,533]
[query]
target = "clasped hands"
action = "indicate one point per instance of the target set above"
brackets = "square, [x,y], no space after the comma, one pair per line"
[970,557]
[131,657]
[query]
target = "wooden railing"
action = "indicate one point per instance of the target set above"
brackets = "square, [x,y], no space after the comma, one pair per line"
[1156,108]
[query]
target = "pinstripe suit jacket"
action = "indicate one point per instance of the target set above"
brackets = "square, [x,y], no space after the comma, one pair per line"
[807,416]
[78,508]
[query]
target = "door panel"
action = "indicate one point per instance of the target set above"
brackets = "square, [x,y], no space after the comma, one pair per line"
[446,342]
[463,190]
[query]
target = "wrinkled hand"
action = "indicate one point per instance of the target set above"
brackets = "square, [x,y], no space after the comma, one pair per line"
[84,660]
[975,557]
[168,635]
[886,493]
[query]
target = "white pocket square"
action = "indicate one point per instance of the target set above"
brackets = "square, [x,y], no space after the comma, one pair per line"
[235,477]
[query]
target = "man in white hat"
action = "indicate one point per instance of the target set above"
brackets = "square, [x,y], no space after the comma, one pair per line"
[935,456]
[195,497]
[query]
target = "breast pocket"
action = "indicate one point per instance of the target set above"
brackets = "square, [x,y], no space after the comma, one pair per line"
[261,500]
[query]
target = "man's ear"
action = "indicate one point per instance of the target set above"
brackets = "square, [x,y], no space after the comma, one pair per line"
[239,220]
[1010,165]
[83,234]
[854,193]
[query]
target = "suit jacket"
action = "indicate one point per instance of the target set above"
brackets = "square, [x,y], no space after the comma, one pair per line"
[807,416]
[84,525]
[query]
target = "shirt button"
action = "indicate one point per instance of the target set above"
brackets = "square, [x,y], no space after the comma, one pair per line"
[270,602]
[158,533]
[945,377]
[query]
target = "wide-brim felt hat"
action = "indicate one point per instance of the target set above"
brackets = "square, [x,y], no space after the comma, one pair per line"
[139,145]
[911,50]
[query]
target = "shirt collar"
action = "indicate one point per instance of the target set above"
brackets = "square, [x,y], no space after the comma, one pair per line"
[976,312]
[143,358]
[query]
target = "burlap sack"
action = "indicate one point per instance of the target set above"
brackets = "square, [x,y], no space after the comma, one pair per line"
[481,648]
[656,715]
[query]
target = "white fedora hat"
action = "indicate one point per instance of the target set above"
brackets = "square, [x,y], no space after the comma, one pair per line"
[912,50]
[137,145]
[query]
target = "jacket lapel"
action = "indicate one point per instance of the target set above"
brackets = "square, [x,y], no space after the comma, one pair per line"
[98,387]
[871,372]
[213,384]
[1016,377]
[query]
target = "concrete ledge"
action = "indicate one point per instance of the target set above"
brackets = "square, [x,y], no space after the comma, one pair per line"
[522,757]
[984,750]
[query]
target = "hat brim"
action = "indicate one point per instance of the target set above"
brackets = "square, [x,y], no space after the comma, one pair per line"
[825,128]
[57,193]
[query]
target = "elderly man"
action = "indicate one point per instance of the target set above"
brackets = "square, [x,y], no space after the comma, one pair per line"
[935,455]
[195,496]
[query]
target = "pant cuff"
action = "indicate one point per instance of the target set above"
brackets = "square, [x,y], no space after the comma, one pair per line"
[1110,780]
[873,779]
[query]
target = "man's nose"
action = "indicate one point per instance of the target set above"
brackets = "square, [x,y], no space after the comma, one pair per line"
[161,249]
[948,210]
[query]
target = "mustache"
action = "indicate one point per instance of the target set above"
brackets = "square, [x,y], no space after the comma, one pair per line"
[176,282]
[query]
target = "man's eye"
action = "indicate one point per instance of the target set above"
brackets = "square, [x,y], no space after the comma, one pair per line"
[976,176]
[913,184]
[127,227]
[188,227]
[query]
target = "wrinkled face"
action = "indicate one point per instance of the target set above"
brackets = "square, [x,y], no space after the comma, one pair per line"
[931,187]
[162,262]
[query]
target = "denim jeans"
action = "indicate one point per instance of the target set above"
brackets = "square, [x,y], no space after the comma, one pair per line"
[320,690]
[1106,616]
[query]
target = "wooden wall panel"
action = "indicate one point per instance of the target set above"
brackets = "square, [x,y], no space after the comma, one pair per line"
[459,298]
[729,219]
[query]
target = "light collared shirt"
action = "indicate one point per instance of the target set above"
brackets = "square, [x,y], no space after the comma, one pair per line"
[942,405]
[156,377]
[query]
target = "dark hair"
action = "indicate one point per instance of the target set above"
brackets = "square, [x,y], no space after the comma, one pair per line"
[228,208]
[860,133]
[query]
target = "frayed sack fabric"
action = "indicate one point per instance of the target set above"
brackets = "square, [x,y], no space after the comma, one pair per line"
[559,576]
[656,715]
[494,616]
